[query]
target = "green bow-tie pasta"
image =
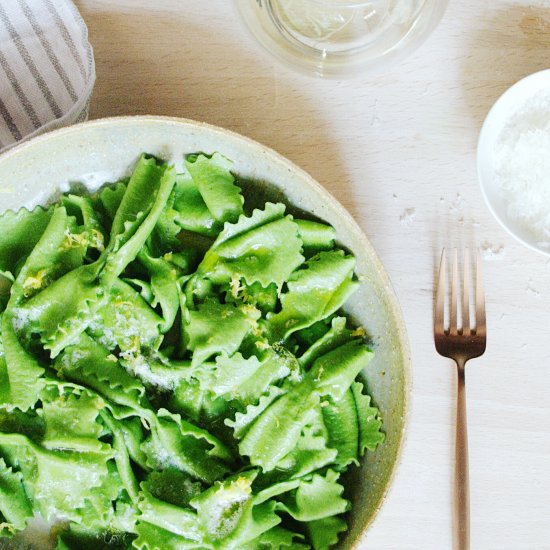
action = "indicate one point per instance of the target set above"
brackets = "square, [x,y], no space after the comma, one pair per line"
[176,371]
[15,506]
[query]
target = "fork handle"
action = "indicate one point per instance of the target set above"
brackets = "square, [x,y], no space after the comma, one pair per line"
[462,483]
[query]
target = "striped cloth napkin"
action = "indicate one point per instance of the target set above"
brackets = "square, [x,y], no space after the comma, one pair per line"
[47,68]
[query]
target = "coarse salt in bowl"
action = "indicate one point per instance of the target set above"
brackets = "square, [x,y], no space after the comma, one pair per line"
[514,163]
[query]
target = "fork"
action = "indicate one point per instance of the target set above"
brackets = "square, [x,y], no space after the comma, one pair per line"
[461,340]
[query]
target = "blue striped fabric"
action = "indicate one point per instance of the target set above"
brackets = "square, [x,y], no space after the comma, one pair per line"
[46,68]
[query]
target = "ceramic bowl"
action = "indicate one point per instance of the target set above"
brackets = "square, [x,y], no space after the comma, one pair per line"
[498,116]
[106,150]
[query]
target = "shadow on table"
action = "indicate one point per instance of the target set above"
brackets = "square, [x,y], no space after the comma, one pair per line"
[511,45]
[183,68]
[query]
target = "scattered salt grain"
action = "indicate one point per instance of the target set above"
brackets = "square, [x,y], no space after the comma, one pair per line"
[532,289]
[456,205]
[408,216]
[522,166]
[492,252]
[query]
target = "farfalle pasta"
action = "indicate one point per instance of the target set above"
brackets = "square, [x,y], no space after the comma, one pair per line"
[175,369]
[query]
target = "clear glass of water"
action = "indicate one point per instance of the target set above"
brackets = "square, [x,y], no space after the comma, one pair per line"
[340,37]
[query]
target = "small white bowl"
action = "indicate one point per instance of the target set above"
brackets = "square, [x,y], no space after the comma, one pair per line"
[495,121]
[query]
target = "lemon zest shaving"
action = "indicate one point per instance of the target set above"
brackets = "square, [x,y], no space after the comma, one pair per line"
[235,285]
[35,282]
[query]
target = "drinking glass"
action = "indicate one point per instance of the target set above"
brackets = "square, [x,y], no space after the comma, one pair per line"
[340,37]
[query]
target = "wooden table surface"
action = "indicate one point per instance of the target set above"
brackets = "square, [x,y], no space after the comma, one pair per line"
[398,150]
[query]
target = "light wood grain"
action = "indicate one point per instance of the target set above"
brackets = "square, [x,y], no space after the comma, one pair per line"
[383,144]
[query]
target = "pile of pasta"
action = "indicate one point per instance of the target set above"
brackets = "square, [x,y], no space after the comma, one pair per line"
[175,369]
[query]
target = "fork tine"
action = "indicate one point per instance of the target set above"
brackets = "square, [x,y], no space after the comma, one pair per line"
[480,299]
[439,313]
[466,294]
[453,323]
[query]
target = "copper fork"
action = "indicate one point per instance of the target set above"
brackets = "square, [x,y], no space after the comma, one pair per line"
[461,339]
